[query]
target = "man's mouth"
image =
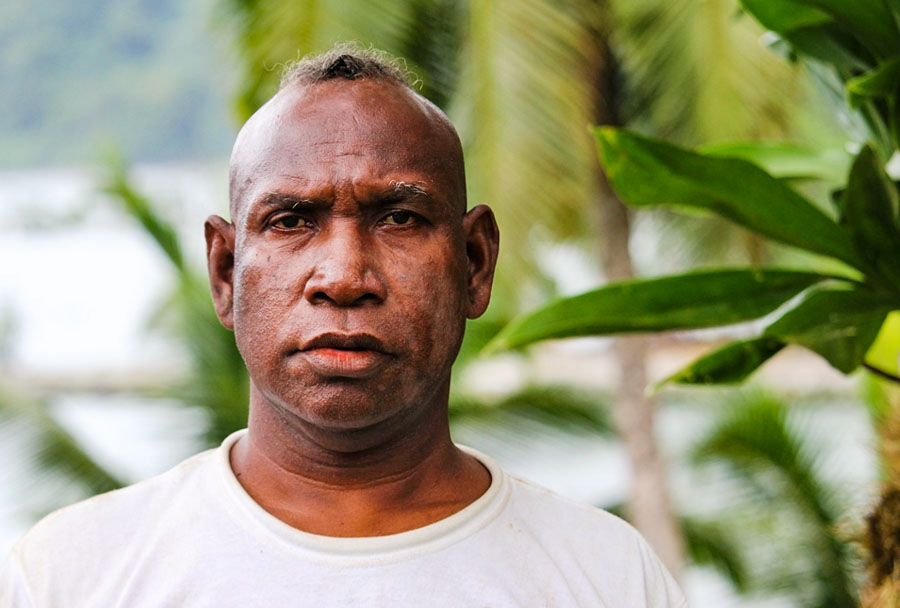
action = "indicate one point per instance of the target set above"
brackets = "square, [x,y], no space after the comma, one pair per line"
[345,355]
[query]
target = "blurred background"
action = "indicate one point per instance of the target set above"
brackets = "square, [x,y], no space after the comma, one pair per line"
[117,125]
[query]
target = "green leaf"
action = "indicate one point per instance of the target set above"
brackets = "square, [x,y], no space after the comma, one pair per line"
[837,323]
[816,32]
[833,45]
[784,15]
[879,82]
[787,161]
[728,365]
[871,216]
[894,120]
[143,211]
[711,543]
[700,299]
[885,350]
[54,447]
[871,21]
[648,172]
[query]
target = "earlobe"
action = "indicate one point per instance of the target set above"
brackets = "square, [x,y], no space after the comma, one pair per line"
[220,263]
[482,246]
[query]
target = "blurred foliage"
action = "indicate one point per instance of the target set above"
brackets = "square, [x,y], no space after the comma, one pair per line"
[559,407]
[51,447]
[840,315]
[75,75]
[786,510]
[217,380]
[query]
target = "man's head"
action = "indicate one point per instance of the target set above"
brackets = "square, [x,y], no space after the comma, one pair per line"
[351,263]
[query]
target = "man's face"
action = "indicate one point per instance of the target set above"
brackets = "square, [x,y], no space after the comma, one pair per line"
[351,280]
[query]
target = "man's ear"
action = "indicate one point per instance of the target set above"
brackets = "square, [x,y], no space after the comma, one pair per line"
[220,262]
[482,245]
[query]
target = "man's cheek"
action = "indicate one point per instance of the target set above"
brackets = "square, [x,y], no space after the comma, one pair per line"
[261,289]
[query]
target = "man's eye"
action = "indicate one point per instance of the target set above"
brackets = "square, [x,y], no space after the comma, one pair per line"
[288,221]
[399,218]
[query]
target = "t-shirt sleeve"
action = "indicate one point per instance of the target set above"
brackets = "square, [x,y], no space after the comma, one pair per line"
[13,590]
[661,589]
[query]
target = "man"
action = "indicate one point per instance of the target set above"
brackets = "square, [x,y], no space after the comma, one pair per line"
[347,273]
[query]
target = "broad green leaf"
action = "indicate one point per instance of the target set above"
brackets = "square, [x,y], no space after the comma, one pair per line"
[871,21]
[837,323]
[885,350]
[894,120]
[700,299]
[784,15]
[833,45]
[872,218]
[728,365]
[879,82]
[825,30]
[785,160]
[648,172]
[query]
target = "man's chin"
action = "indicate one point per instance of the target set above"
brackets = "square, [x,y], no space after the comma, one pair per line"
[343,405]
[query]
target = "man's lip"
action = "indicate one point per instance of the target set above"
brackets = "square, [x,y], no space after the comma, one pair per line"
[344,355]
[348,342]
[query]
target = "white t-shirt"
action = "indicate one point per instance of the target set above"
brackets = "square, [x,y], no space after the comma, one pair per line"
[193,537]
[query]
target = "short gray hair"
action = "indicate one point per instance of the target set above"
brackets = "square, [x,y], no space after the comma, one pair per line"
[350,61]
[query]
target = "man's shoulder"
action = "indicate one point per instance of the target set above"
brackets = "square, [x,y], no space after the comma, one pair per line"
[538,503]
[112,516]
[592,545]
[559,520]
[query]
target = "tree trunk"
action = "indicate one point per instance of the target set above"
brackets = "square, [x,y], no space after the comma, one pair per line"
[648,506]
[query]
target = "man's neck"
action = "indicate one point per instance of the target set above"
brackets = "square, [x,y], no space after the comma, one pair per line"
[405,474]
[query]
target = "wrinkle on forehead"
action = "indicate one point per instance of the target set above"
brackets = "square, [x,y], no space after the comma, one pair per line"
[371,105]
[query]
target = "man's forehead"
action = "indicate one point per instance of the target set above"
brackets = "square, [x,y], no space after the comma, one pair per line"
[371,127]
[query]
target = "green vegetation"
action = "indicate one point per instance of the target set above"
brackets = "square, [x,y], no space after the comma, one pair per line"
[785,500]
[838,315]
[529,76]
[854,49]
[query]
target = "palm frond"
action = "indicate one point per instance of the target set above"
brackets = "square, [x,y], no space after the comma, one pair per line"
[755,442]
[217,380]
[711,544]
[270,33]
[522,108]
[696,72]
[558,407]
[139,206]
[53,447]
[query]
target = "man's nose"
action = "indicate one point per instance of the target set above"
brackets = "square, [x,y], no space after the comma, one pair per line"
[346,273]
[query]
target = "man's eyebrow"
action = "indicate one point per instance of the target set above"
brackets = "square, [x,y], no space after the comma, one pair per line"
[278,199]
[408,189]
